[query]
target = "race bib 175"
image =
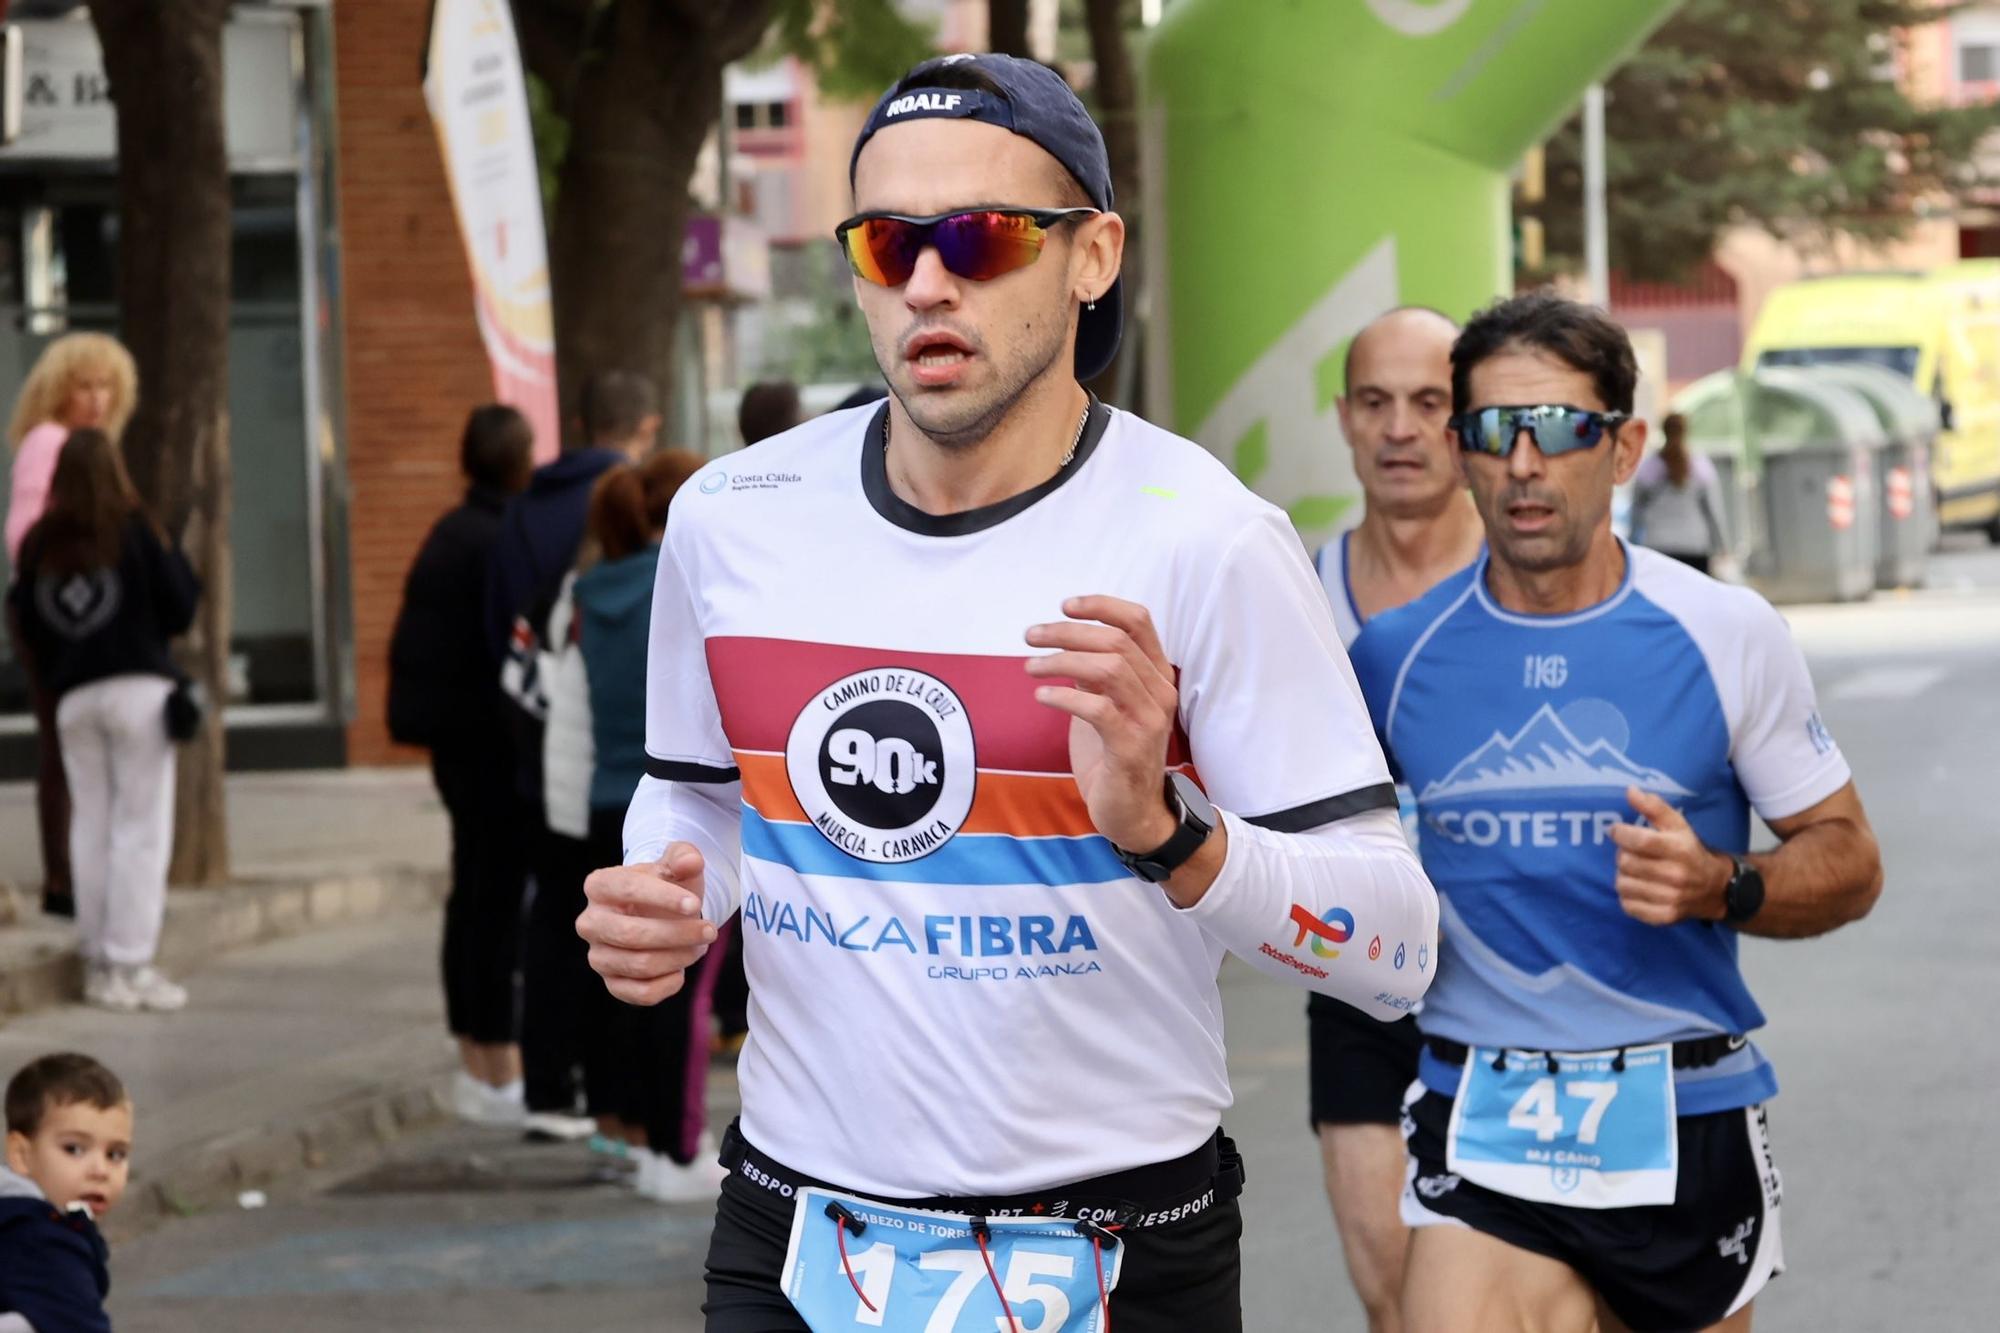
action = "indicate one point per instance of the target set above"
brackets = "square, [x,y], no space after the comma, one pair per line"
[912,1271]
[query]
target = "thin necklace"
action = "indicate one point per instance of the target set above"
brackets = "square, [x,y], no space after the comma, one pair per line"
[1075,441]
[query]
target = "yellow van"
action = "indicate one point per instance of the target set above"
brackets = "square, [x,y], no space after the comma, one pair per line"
[1941,330]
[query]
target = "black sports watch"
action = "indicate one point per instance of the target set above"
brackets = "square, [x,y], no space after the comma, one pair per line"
[1198,820]
[1743,898]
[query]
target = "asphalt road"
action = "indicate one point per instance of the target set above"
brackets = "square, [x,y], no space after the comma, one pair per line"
[1885,1129]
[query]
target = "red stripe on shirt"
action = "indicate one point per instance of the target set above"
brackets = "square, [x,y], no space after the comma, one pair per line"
[763,684]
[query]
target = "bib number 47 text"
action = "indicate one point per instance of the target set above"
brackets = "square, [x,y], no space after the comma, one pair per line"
[1537,1111]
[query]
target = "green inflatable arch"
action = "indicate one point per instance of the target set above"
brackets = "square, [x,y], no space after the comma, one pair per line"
[1311,164]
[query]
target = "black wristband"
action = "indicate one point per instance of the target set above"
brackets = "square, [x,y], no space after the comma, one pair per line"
[1197,820]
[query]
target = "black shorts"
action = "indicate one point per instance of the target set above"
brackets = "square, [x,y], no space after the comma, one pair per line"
[1678,1266]
[1360,1068]
[1178,1275]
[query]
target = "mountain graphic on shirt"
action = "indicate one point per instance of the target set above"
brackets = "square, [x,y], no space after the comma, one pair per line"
[1545,755]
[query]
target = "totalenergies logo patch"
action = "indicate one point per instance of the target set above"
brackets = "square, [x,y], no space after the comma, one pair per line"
[1328,932]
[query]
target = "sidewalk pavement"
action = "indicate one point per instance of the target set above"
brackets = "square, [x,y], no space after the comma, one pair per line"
[284,824]
[291,1055]
[310,849]
[315,1027]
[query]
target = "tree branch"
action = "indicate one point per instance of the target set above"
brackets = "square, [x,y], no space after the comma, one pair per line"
[1007,26]
[551,34]
[739,27]
[1117,95]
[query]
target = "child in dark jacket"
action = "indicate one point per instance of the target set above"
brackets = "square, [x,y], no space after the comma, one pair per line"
[69,1144]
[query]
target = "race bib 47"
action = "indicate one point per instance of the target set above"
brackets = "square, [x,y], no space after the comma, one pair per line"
[1589,1130]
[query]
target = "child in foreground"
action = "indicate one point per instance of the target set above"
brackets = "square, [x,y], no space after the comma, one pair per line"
[69,1144]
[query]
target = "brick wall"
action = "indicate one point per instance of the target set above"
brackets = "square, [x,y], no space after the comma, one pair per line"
[415,363]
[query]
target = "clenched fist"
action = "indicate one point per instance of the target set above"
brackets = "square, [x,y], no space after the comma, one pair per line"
[644,924]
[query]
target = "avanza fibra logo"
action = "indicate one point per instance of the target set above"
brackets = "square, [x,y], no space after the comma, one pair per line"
[1328,932]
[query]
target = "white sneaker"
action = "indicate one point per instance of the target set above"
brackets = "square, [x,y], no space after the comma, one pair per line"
[555,1127]
[505,1107]
[106,987]
[663,1180]
[514,1094]
[467,1103]
[479,1103]
[152,991]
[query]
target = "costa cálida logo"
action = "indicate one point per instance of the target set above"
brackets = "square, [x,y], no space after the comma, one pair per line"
[882,763]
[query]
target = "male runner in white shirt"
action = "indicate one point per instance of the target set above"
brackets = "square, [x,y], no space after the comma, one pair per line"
[940,694]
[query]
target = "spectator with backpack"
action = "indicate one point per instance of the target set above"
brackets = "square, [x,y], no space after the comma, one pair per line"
[99,594]
[444,694]
[80,379]
[539,537]
[649,1064]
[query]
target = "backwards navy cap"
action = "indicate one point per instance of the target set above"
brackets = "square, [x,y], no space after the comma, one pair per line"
[1035,103]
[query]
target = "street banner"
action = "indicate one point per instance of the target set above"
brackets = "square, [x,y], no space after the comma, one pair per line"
[1308,167]
[478,98]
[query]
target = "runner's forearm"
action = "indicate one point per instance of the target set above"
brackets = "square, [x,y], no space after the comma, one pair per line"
[707,814]
[1823,877]
[1344,908]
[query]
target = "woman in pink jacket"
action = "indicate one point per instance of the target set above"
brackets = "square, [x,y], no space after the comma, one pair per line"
[80,379]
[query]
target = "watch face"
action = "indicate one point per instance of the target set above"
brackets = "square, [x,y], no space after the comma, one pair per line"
[1196,803]
[1745,896]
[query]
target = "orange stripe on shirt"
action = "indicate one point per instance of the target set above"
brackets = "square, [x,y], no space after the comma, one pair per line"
[768,788]
[1029,805]
[1034,805]
[1023,805]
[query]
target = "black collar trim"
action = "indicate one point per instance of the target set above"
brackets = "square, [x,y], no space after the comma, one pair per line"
[875,482]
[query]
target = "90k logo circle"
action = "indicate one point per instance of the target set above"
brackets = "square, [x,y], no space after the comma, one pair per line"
[882,763]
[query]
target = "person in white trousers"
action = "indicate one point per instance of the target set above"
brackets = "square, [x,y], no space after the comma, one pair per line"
[98,595]
[120,766]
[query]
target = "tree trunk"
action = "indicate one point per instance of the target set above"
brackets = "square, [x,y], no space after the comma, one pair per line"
[646,97]
[1007,27]
[164,59]
[1118,115]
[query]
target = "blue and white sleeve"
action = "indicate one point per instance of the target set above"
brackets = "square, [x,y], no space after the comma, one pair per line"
[1782,752]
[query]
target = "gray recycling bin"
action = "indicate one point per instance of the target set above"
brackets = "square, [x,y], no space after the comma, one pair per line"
[1714,406]
[1906,507]
[1814,444]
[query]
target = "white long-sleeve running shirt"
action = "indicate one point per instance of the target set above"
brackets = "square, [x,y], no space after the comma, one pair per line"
[957,987]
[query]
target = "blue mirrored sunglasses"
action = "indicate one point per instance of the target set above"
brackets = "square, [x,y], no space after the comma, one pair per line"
[1556,429]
